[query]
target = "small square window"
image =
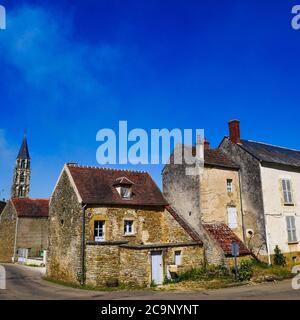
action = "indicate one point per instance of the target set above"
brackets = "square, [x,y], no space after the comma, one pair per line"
[229,185]
[177,258]
[128,227]
[125,192]
[99,230]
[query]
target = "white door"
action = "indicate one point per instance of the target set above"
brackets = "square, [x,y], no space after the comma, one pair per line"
[157,267]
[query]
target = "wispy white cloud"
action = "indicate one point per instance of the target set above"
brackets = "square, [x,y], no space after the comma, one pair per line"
[56,68]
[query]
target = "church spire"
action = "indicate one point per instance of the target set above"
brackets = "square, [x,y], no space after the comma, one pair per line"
[21,180]
[24,153]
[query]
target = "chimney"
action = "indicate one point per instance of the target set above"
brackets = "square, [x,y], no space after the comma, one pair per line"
[234,131]
[206,144]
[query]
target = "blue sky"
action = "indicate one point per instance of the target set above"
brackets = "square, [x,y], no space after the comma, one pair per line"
[70,68]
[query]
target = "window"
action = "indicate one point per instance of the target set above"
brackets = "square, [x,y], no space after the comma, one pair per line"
[291,229]
[99,230]
[232,218]
[21,192]
[125,192]
[229,185]
[22,178]
[128,227]
[177,258]
[287,191]
[23,164]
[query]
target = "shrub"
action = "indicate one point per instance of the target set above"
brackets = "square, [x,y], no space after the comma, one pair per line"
[279,259]
[245,270]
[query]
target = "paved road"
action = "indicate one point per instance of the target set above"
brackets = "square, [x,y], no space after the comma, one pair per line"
[25,283]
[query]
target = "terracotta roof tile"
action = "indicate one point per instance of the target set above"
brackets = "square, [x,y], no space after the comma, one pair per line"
[27,207]
[212,157]
[216,157]
[97,186]
[224,236]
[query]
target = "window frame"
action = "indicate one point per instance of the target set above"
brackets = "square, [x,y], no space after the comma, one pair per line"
[178,255]
[229,185]
[287,192]
[97,237]
[127,223]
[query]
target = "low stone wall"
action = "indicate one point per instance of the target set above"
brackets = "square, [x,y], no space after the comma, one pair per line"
[135,263]
[109,264]
[135,267]
[102,265]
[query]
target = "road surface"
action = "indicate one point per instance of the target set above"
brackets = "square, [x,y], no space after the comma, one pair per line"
[26,283]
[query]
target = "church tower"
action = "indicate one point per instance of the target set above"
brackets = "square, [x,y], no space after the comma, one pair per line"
[21,180]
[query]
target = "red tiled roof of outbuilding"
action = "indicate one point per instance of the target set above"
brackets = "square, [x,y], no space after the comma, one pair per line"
[30,208]
[224,236]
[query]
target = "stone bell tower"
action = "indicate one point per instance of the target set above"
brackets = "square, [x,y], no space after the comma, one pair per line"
[21,179]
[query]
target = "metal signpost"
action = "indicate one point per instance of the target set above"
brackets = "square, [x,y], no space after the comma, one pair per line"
[235,251]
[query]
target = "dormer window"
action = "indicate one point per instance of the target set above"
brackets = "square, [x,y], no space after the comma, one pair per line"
[125,192]
[124,187]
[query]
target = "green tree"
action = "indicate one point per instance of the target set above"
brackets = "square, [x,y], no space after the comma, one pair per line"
[279,259]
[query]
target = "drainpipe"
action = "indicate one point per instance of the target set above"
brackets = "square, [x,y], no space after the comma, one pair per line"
[15,242]
[82,275]
[242,208]
[267,240]
[265,218]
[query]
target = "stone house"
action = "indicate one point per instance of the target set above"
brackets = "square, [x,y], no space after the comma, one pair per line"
[23,225]
[270,178]
[208,201]
[114,226]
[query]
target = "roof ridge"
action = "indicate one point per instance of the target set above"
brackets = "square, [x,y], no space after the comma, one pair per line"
[104,168]
[271,145]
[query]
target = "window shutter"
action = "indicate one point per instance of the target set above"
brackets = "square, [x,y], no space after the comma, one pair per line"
[291,228]
[289,191]
[232,218]
[284,189]
[289,231]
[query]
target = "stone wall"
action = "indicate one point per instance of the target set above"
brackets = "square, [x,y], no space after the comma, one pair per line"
[215,199]
[135,264]
[65,233]
[251,189]
[135,267]
[182,193]
[102,265]
[150,225]
[33,234]
[7,233]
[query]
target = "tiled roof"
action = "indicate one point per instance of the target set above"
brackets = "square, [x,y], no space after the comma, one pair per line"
[216,157]
[224,236]
[96,186]
[192,233]
[212,157]
[2,206]
[272,154]
[27,207]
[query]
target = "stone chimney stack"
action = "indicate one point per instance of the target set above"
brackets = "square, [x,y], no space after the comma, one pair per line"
[234,131]
[206,144]
[199,149]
